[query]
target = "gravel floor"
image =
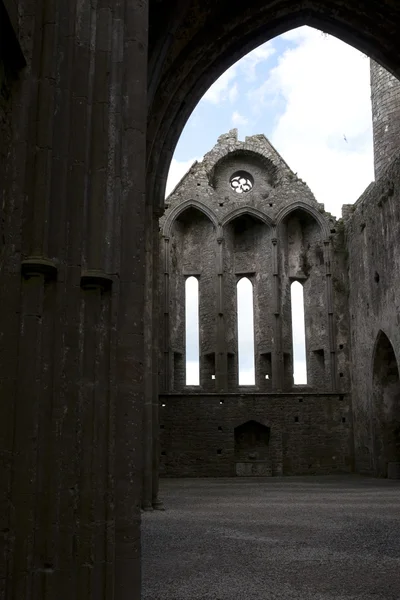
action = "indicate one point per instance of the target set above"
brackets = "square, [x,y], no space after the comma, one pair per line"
[289,538]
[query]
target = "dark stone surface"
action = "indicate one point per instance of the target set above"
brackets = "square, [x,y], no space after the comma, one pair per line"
[285,539]
[197,435]
[75,120]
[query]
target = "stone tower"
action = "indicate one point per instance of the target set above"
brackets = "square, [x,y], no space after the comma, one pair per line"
[385,98]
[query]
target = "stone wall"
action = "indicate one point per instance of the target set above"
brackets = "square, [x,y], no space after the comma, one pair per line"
[309,433]
[373,241]
[273,233]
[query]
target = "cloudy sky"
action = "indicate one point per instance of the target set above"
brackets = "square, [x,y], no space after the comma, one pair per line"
[309,94]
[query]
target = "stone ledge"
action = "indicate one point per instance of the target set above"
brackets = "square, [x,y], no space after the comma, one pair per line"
[94,279]
[39,265]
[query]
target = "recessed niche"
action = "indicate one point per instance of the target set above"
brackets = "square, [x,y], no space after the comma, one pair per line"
[376,277]
[341,375]
[296,419]
[219,428]
[219,451]
[343,419]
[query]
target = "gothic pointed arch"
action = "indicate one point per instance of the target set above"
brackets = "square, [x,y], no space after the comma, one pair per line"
[247,210]
[307,208]
[181,208]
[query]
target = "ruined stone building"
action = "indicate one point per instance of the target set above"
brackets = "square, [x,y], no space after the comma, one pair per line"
[93,98]
[242,213]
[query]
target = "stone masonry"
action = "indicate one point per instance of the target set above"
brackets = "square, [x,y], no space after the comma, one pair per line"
[93,98]
[274,234]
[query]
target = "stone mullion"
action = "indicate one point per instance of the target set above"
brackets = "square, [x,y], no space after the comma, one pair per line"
[221,374]
[130,344]
[277,357]
[330,314]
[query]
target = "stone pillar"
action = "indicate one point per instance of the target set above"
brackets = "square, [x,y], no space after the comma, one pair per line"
[221,359]
[156,502]
[330,314]
[167,370]
[277,355]
[72,292]
[148,370]
[385,99]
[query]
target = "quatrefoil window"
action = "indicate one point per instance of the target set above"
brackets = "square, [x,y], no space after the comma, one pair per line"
[241,182]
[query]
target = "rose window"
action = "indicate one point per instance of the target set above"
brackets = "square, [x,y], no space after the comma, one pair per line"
[241,182]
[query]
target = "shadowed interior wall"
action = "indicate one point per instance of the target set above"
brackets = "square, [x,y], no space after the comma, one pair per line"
[386,406]
[309,434]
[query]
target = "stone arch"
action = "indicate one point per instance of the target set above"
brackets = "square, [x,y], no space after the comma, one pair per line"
[247,210]
[248,155]
[182,68]
[181,208]
[386,408]
[311,210]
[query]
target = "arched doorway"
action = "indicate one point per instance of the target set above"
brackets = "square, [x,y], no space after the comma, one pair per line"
[386,408]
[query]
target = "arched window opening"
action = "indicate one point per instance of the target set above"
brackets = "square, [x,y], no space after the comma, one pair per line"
[192,336]
[298,334]
[245,318]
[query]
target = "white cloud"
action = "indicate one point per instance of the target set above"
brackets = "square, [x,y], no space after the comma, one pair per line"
[226,86]
[249,63]
[176,171]
[325,131]
[223,88]
[238,119]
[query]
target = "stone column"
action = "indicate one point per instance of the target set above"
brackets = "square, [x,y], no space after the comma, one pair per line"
[72,290]
[129,400]
[167,370]
[148,367]
[330,314]
[156,502]
[221,359]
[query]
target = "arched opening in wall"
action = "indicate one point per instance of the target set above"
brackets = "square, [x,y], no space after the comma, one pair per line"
[192,332]
[298,334]
[252,452]
[386,409]
[245,325]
